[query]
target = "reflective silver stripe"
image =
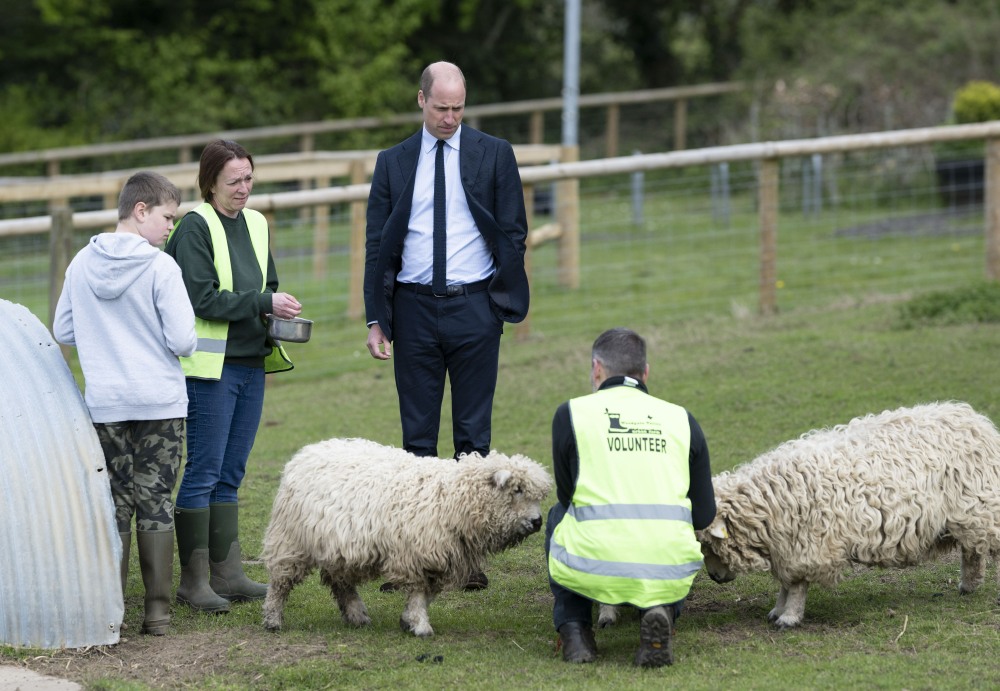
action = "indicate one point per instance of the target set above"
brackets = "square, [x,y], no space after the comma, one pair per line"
[657,512]
[212,345]
[622,569]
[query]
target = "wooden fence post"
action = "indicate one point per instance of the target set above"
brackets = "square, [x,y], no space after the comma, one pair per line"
[523,329]
[611,131]
[680,124]
[355,294]
[60,255]
[321,234]
[992,209]
[767,191]
[537,126]
[307,144]
[568,217]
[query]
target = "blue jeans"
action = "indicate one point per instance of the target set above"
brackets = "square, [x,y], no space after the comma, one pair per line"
[222,422]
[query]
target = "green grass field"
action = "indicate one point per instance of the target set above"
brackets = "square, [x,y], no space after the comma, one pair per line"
[850,339]
[752,384]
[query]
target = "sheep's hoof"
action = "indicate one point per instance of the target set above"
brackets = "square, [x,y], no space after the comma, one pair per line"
[273,628]
[420,633]
[783,624]
[607,616]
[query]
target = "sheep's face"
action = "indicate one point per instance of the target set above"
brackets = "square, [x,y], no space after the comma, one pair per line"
[519,493]
[525,510]
[713,540]
[729,549]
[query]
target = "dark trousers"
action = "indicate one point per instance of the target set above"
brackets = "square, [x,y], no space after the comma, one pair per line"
[457,336]
[570,606]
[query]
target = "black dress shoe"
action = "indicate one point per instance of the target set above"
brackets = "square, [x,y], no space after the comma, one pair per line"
[578,644]
[477,581]
[656,633]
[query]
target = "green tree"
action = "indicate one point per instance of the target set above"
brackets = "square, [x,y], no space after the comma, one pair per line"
[863,65]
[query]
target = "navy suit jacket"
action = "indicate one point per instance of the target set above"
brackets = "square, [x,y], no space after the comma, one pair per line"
[493,189]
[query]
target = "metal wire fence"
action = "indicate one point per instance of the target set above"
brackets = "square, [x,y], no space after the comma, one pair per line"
[663,246]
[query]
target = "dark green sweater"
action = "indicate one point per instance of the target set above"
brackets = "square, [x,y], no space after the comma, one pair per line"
[245,306]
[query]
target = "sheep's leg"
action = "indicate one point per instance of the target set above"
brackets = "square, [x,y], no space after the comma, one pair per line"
[973,571]
[352,607]
[779,605]
[607,615]
[283,577]
[415,616]
[794,605]
[995,557]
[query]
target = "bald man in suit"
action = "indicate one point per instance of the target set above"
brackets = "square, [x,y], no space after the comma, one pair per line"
[452,325]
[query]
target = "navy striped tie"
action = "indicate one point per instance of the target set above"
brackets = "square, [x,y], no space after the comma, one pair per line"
[439,281]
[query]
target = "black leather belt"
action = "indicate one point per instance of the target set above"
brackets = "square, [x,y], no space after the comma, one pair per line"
[452,290]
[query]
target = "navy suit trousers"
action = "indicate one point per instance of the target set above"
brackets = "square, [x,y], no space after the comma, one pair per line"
[457,336]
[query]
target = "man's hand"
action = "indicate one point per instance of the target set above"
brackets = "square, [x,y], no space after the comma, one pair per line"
[378,346]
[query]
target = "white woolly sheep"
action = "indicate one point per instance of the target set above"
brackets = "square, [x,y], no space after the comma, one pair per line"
[357,510]
[892,489]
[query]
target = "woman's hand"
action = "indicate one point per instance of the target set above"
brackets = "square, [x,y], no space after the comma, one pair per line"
[285,306]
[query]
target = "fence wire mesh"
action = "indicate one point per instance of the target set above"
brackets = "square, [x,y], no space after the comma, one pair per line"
[660,247]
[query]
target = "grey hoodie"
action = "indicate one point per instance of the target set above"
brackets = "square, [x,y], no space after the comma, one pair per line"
[125,308]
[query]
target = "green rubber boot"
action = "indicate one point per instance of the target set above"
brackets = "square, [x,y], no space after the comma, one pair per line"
[191,526]
[156,560]
[126,546]
[228,579]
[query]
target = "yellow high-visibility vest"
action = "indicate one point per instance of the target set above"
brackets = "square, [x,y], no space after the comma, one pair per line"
[208,358]
[627,536]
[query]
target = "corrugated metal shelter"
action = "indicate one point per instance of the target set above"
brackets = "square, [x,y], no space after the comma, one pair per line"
[59,544]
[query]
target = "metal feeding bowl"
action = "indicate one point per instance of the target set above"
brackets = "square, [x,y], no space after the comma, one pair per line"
[295,330]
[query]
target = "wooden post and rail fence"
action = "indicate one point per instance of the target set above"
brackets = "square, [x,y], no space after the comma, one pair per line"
[306,132]
[566,174]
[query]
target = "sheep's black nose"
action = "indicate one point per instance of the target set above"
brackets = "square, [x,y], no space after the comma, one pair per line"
[536,524]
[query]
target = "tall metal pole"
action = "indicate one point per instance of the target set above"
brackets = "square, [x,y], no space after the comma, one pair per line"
[568,193]
[571,73]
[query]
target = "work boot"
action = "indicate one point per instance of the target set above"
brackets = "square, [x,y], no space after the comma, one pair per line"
[156,561]
[656,633]
[191,526]
[577,642]
[228,579]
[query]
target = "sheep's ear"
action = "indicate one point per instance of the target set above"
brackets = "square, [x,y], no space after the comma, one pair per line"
[501,477]
[718,530]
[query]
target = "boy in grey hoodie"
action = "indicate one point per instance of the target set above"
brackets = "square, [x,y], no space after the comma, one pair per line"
[125,308]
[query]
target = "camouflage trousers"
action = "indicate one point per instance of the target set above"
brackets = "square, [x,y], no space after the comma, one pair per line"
[143,458]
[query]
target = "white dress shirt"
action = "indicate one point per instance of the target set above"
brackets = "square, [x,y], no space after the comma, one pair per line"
[469,259]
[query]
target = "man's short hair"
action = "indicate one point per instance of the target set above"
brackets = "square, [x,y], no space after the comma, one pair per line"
[622,352]
[152,189]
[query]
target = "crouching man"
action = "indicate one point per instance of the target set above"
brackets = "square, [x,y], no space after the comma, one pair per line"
[633,483]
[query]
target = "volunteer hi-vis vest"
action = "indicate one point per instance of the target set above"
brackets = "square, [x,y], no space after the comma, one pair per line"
[208,358]
[627,535]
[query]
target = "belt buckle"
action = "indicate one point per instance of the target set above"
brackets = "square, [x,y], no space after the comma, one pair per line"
[454,290]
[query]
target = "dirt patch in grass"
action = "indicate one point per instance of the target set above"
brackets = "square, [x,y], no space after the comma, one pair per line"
[177,660]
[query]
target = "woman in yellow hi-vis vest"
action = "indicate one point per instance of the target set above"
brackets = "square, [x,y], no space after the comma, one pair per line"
[222,249]
[633,483]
